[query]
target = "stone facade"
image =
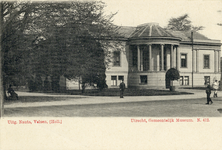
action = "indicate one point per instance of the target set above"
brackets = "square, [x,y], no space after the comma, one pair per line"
[150,51]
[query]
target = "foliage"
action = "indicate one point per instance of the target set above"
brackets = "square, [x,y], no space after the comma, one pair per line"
[173,74]
[182,23]
[54,39]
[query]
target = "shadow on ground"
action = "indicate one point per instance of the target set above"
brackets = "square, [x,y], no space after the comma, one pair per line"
[220,110]
[25,99]
[195,88]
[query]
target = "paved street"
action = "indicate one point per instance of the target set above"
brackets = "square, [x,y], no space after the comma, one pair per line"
[175,108]
[91,106]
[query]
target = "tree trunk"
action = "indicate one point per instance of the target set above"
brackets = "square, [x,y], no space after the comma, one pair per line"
[172,88]
[83,87]
[55,83]
[47,86]
[79,83]
[2,97]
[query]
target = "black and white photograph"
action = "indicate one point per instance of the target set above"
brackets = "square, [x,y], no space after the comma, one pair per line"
[111,74]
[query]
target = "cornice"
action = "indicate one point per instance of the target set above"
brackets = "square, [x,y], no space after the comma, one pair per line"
[201,43]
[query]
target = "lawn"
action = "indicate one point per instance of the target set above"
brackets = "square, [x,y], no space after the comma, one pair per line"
[93,92]
[127,92]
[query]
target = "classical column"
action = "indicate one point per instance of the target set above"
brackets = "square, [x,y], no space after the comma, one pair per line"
[215,61]
[138,58]
[174,57]
[219,67]
[218,60]
[197,61]
[178,58]
[150,58]
[168,59]
[171,57]
[162,57]
[141,60]
[158,61]
[194,61]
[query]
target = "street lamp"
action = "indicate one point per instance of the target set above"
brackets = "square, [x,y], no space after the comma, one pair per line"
[192,54]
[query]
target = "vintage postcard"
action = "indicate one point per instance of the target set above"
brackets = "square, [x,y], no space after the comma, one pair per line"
[111,74]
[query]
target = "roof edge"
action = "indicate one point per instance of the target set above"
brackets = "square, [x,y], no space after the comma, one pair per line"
[156,37]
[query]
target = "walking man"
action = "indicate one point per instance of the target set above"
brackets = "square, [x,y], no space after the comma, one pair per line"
[208,92]
[122,88]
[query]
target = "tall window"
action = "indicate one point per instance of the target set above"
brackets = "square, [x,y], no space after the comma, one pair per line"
[183,58]
[113,81]
[116,58]
[206,61]
[134,57]
[143,79]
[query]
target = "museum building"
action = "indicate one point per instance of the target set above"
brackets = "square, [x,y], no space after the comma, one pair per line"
[150,50]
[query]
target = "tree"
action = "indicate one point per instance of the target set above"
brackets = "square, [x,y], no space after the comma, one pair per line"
[182,23]
[13,18]
[171,75]
[55,39]
[78,45]
[1,72]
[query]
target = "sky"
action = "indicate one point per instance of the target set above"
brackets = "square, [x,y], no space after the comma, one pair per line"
[201,13]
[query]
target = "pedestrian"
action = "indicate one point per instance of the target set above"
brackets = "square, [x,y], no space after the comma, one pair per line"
[12,94]
[208,92]
[215,88]
[122,88]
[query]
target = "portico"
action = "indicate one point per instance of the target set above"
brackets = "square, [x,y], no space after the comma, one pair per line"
[155,57]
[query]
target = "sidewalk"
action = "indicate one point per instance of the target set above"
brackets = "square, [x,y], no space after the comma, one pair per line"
[86,100]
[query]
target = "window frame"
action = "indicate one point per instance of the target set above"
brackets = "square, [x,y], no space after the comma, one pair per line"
[204,67]
[205,77]
[114,81]
[184,83]
[143,83]
[183,80]
[186,58]
[120,77]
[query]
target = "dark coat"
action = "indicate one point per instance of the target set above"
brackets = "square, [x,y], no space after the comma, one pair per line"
[208,90]
[122,86]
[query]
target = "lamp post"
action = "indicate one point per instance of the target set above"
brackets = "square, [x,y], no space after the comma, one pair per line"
[192,54]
